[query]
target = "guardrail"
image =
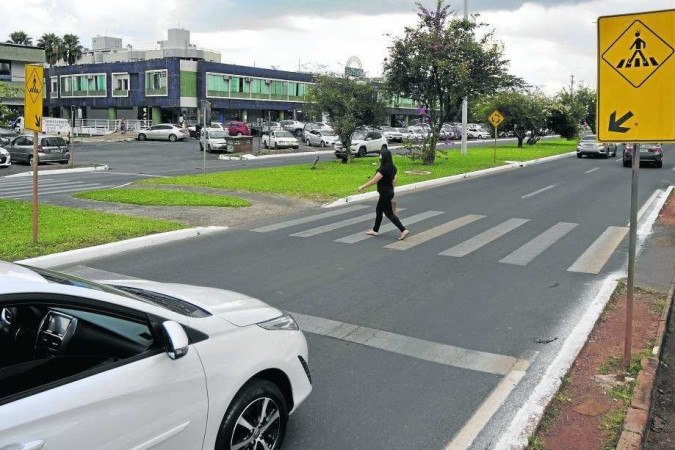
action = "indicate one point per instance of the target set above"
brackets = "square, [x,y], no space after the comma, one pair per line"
[100,127]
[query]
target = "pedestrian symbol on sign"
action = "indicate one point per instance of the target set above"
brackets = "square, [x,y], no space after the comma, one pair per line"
[634,61]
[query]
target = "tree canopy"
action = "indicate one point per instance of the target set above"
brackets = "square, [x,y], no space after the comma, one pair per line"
[20,38]
[53,46]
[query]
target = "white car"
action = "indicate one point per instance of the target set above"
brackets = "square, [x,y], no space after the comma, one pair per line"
[392,134]
[314,126]
[163,131]
[213,139]
[363,142]
[139,364]
[405,134]
[5,158]
[417,133]
[477,133]
[293,126]
[321,138]
[280,139]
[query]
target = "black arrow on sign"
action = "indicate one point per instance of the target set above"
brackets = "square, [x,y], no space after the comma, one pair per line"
[615,125]
[37,121]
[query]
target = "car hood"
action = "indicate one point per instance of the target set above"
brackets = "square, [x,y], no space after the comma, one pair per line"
[238,309]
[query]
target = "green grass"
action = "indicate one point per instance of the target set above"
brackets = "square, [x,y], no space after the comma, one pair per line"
[331,180]
[62,229]
[163,197]
[612,424]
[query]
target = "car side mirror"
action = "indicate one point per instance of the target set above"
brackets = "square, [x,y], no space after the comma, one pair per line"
[176,339]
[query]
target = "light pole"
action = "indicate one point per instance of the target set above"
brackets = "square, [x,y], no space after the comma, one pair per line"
[465,100]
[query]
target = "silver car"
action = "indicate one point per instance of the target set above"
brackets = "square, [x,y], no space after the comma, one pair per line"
[213,139]
[589,146]
[321,138]
[50,149]
[6,136]
[163,131]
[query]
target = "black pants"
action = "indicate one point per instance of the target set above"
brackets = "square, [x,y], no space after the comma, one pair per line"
[384,207]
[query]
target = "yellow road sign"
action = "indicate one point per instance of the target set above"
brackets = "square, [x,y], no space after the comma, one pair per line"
[496,118]
[636,69]
[32,111]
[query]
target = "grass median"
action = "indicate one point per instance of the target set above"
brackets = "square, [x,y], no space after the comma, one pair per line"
[331,179]
[62,229]
[163,197]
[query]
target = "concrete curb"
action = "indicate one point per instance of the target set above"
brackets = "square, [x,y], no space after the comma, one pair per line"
[449,180]
[114,248]
[637,417]
[60,171]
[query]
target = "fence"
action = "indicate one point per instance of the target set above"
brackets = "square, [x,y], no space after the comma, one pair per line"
[100,127]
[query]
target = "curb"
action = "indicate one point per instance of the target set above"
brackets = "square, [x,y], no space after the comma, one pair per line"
[61,171]
[451,179]
[115,248]
[637,417]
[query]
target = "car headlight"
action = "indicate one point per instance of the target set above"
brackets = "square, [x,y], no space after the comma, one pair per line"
[283,322]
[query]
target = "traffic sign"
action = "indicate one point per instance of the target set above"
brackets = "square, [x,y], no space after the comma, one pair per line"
[34,93]
[496,118]
[636,69]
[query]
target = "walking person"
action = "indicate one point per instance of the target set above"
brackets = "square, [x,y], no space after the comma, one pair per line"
[385,178]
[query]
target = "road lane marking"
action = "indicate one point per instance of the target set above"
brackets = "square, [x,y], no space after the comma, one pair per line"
[19,189]
[592,170]
[336,225]
[419,238]
[29,182]
[484,238]
[597,255]
[448,355]
[536,246]
[59,191]
[290,223]
[358,237]
[532,194]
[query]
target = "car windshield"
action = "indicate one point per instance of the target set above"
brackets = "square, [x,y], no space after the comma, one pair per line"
[648,146]
[358,136]
[217,134]
[328,133]
[53,142]
[283,134]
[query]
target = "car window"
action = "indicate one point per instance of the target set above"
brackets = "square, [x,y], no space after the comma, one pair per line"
[217,134]
[327,133]
[22,140]
[53,142]
[283,134]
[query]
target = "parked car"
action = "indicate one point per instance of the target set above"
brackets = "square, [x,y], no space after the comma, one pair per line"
[363,142]
[405,134]
[5,158]
[451,132]
[293,126]
[236,128]
[652,153]
[309,126]
[280,139]
[271,126]
[6,136]
[198,367]
[163,131]
[589,146]
[50,149]
[322,138]
[391,133]
[477,133]
[213,139]
[417,133]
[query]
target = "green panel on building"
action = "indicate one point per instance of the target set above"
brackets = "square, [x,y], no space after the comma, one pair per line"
[188,84]
[20,53]
[14,89]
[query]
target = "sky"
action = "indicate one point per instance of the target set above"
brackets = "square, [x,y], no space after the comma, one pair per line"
[546,41]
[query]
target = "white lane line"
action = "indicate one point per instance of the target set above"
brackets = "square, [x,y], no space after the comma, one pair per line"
[62,191]
[472,428]
[424,236]
[290,223]
[336,225]
[597,255]
[61,185]
[358,237]
[29,182]
[484,238]
[448,355]
[536,246]
[532,194]
[650,201]
[592,170]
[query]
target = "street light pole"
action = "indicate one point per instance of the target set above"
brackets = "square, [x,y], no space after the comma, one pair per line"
[465,100]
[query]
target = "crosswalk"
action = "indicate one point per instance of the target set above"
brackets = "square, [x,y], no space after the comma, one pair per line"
[591,260]
[22,188]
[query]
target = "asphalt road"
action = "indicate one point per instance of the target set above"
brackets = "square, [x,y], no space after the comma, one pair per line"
[407,344]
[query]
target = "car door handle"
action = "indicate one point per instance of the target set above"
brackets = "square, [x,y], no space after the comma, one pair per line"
[32,445]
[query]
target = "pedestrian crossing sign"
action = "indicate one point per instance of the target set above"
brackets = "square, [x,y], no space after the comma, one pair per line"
[636,69]
[34,94]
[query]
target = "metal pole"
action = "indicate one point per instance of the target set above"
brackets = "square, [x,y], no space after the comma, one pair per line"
[494,153]
[465,100]
[35,187]
[203,134]
[632,245]
[72,136]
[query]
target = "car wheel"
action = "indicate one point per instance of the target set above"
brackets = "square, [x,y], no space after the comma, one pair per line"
[142,137]
[30,161]
[579,155]
[362,152]
[323,143]
[308,143]
[265,144]
[173,138]
[658,164]
[295,147]
[276,146]
[256,418]
[626,163]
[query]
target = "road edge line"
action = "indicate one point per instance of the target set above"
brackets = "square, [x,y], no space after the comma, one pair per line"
[97,168]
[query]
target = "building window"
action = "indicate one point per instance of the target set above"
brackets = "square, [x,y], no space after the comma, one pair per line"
[156,83]
[240,87]
[54,85]
[5,70]
[279,90]
[217,85]
[260,88]
[120,84]
[296,91]
[84,85]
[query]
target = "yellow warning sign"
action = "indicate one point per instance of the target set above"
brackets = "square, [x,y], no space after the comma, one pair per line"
[496,118]
[32,111]
[636,66]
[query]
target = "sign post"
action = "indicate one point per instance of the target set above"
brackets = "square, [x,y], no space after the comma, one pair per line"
[496,118]
[636,102]
[32,114]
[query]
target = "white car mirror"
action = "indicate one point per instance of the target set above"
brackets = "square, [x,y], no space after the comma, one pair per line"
[176,339]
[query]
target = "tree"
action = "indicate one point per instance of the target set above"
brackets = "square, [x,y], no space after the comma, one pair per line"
[349,103]
[5,113]
[20,38]
[441,60]
[572,110]
[72,50]
[525,113]
[53,46]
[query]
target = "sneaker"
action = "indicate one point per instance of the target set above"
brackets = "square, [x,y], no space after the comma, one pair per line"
[404,234]
[371,233]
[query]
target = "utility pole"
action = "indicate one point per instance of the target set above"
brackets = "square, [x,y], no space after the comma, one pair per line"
[465,100]
[572,85]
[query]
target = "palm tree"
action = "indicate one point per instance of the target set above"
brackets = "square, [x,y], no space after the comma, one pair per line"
[53,46]
[20,38]
[72,50]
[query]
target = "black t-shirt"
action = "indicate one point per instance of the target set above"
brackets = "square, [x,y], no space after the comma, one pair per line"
[386,183]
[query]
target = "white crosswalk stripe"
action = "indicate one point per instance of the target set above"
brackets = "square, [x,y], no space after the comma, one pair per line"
[358,237]
[290,223]
[536,246]
[484,238]
[336,225]
[20,189]
[597,255]
[424,236]
[84,187]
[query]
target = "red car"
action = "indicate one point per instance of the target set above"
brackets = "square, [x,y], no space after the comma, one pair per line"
[236,128]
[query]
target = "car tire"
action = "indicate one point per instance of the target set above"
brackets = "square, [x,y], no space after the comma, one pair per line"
[658,164]
[248,405]
[30,161]
[626,163]
[308,143]
[323,143]
[362,152]
[173,138]
[142,137]
[579,155]
[265,144]
[276,146]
